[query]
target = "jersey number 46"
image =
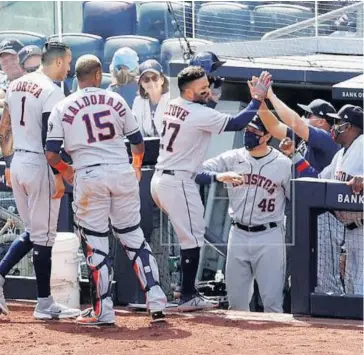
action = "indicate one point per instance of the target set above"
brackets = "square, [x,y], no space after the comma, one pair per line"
[267,205]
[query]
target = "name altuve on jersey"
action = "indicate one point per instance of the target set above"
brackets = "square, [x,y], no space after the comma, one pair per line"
[86,101]
[27,86]
[177,111]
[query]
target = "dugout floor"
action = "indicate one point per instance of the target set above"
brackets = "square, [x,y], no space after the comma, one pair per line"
[213,332]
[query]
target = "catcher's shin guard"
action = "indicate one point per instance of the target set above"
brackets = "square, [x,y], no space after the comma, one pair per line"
[144,263]
[95,247]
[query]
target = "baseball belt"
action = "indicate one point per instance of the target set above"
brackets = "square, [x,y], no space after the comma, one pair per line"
[259,228]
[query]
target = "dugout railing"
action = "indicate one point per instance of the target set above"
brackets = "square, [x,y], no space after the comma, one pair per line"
[312,197]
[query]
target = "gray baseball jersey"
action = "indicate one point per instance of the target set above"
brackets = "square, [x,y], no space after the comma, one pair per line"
[28,98]
[32,179]
[256,254]
[261,199]
[92,123]
[186,133]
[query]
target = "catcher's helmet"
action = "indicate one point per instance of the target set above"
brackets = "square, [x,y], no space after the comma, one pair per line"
[258,124]
[207,60]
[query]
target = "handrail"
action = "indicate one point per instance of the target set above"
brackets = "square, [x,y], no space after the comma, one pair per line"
[307,23]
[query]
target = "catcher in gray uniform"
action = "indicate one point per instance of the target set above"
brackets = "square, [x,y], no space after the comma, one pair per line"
[258,182]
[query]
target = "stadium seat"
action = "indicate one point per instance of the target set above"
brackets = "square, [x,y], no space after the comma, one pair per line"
[224,22]
[268,18]
[146,47]
[80,44]
[27,38]
[109,18]
[154,19]
[171,50]
[106,81]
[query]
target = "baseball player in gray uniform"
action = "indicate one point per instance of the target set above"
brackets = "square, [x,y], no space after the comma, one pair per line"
[187,128]
[346,165]
[92,124]
[37,191]
[258,182]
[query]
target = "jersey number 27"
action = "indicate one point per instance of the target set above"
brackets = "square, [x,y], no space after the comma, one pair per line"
[107,128]
[175,127]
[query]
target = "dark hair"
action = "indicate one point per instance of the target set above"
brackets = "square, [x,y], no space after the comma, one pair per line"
[188,75]
[87,68]
[52,50]
[165,87]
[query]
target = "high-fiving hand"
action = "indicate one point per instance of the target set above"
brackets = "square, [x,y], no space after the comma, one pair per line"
[259,87]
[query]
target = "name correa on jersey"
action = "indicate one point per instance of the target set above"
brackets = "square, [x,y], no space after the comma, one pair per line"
[86,101]
[25,86]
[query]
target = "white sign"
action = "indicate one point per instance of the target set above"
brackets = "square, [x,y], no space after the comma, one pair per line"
[346,198]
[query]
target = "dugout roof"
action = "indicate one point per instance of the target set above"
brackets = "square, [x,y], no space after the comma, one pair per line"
[351,89]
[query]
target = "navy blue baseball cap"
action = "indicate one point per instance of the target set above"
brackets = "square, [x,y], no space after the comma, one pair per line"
[351,114]
[207,60]
[319,108]
[150,65]
[10,46]
[257,123]
[27,52]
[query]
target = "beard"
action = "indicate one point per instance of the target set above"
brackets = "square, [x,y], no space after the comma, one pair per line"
[202,98]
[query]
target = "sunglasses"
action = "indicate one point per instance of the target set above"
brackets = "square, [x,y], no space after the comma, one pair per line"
[146,79]
[308,115]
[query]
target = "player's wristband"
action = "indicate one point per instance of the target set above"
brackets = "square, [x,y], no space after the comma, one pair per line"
[8,159]
[61,166]
[296,157]
[137,160]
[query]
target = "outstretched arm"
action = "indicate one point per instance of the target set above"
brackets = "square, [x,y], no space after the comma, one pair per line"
[216,169]
[259,93]
[288,116]
[276,128]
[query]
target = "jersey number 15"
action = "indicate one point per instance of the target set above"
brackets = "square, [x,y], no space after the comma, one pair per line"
[108,129]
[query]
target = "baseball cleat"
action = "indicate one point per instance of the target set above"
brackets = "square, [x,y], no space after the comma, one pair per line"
[54,311]
[3,307]
[197,303]
[158,317]
[88,318]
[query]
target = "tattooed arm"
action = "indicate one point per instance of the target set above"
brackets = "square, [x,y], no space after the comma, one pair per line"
[6,136]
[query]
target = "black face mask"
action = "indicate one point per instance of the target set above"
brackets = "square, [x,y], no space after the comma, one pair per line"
[251,140]
[336,131]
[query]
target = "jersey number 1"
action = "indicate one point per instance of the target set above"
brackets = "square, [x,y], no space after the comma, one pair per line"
[22,123]
[100,125]
[176,127]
